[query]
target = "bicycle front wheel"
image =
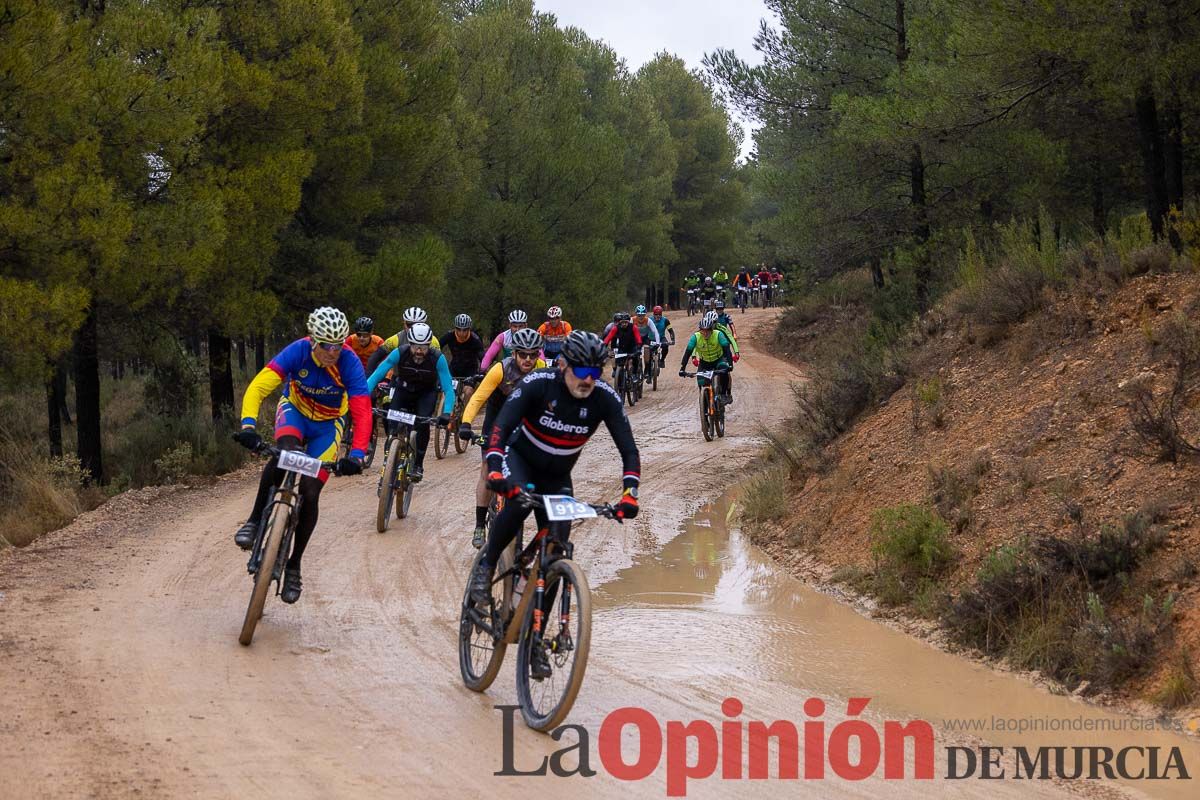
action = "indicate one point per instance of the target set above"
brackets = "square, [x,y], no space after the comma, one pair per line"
[404,486]
[705,421]
[276,529]
[387,486]
[481,642]
[441,442]
[566,637]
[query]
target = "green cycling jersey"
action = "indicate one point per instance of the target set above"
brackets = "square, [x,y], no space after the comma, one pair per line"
[720,276]
[710,347]
[691,281]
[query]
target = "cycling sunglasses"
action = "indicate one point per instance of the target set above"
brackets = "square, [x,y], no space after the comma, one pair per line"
[330,347]
[525,353]
[583,373]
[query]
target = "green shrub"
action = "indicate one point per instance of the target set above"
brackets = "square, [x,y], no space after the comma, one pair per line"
[1180,687]
[910,546]
[765,498]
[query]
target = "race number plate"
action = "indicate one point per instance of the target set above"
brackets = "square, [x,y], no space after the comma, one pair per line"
[295,461]
[560,507]
[454,383]
[707,375]
[402,416]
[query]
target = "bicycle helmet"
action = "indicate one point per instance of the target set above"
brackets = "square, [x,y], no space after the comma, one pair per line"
[708,281]
[517,317]
[640,310]
[420,334]
[621,316]
[656,310]
[415,314]
[553,312]
[526,339]
[720,305]
[584,349]
[708,321]
[327,325]
[364,325]
[462,322]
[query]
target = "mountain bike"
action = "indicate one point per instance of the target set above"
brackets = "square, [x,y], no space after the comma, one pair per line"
[273,541]
[442,436]
[712,413]
[529,581]
[721,292]
[395,482]
[742,298]
[623,380]
[693,304]
[654,369]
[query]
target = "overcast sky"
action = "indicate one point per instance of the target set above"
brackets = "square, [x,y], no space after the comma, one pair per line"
[638,29]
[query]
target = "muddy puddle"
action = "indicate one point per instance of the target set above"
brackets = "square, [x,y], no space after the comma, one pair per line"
[737,625]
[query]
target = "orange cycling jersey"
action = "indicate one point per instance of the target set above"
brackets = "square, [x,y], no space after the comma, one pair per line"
[364,353]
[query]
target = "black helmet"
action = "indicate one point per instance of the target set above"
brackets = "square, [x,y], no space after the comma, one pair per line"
[621,316]
[584,349]
[364,325]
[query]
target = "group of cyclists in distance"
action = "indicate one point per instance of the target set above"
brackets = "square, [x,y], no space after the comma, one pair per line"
[539,390]
[761,287]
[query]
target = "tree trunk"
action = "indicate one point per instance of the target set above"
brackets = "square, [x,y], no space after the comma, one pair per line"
[54,403]
[1154,171]
[920,225]
[1099,213]
[877,272]
[260,352]
[87,397]
[241,350]
[220,375]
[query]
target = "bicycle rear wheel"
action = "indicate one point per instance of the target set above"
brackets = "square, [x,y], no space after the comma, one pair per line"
[566,635]
[387,486]
[276,529]
[481,651]
[369,458]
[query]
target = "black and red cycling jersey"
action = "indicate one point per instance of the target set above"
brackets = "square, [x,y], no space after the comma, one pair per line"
[548,426]
[625,339]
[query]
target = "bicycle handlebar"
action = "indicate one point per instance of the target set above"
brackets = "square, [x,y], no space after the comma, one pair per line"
[271,451]
[606,510]
[719,370]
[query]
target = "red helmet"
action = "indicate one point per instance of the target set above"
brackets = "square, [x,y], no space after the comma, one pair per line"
[656,310]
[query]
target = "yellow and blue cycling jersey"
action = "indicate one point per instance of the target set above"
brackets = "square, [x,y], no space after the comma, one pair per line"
[315,392]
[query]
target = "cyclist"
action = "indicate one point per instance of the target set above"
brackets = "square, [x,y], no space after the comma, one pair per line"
[419,370]
[649,333]
[554,332]
[536,441]
[463,349]
[664,328]
[497,385]
[764,282]
[501,346]
[321,379]
[741,286]
[363,341]
[624,337]
[777,283]
[720,276]
[707,293]
[712,349]
[412,315]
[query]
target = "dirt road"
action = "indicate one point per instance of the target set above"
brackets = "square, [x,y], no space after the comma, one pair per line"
[122,676]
